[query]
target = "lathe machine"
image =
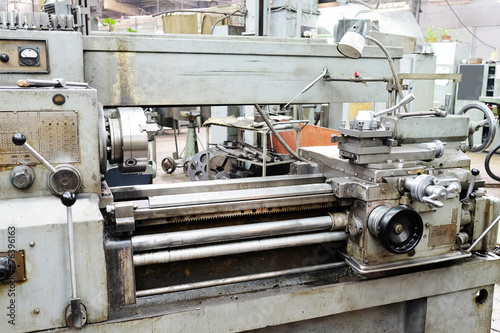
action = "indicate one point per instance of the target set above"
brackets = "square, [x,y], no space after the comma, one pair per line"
[390,231]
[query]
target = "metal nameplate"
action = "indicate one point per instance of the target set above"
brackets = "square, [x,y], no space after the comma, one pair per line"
[54,134]
[443,234]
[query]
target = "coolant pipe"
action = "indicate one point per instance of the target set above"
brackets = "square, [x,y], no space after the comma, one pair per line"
[329,222]
[160,257]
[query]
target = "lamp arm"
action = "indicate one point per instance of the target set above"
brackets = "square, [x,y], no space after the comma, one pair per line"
[393,69]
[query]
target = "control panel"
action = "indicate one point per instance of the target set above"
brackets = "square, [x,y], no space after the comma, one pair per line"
[23,56]
[49,141]
[52,133]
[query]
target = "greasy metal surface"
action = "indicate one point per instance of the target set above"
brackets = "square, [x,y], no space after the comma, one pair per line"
[53,134]
[20,260]
[238,279]
[237,195]
[11,48]
[267,307]
[121,277]
[189,213]
[144,191]
[210,70]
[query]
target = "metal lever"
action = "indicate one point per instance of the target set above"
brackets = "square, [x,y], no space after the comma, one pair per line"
[408,98]
[62,178]
[20,140]
[76,314]
[474,173]
[56,83]
[309,86]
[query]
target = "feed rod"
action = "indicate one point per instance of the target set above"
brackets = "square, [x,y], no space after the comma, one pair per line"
[236,232]
[160,257]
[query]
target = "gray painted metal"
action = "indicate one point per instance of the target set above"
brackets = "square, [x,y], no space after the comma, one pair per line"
[451,293]
[173,70]
[65,58]
[42,220]
[81,151]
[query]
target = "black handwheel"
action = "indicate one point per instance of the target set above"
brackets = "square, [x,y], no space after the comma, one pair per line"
[168,165]
[487,162]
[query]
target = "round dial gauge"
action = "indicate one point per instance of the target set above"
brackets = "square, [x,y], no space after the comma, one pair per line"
[29,57]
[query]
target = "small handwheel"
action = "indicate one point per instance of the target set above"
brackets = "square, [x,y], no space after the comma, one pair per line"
[168,164]
[487,162]
[488,121]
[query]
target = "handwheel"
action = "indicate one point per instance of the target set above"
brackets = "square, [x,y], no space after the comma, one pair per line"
[487,163]
[198,166]
[168,164]
[489,120]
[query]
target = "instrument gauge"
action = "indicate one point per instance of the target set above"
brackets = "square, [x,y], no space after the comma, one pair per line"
[29,56]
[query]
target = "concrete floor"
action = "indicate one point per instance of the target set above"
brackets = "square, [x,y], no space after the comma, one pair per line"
[166,146]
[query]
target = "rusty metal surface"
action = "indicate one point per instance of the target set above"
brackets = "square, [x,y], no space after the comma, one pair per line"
[20,260]
[443,234]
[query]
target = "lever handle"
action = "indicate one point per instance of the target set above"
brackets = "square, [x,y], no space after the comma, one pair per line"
[64,178]
[432,201]
[19,139]
[408,98]
[75,313]
[474,173]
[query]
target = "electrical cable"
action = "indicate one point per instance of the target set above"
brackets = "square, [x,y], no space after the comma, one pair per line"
[487,163]
[242,10]
[459,20]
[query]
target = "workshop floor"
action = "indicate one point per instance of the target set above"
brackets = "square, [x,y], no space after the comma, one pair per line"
[166,146]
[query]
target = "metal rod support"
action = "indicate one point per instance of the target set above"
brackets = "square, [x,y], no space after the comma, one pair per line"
[161,257]
[71,244]
[237,279]
[391,65]
[484,234]
[232,233]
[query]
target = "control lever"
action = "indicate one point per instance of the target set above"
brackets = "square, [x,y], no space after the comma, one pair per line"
[364,119]
[323,74]
[76,314]
[62,178]
[470,191]
[408,98]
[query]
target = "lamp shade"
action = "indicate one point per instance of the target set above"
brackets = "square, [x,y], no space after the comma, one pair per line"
[352,43]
